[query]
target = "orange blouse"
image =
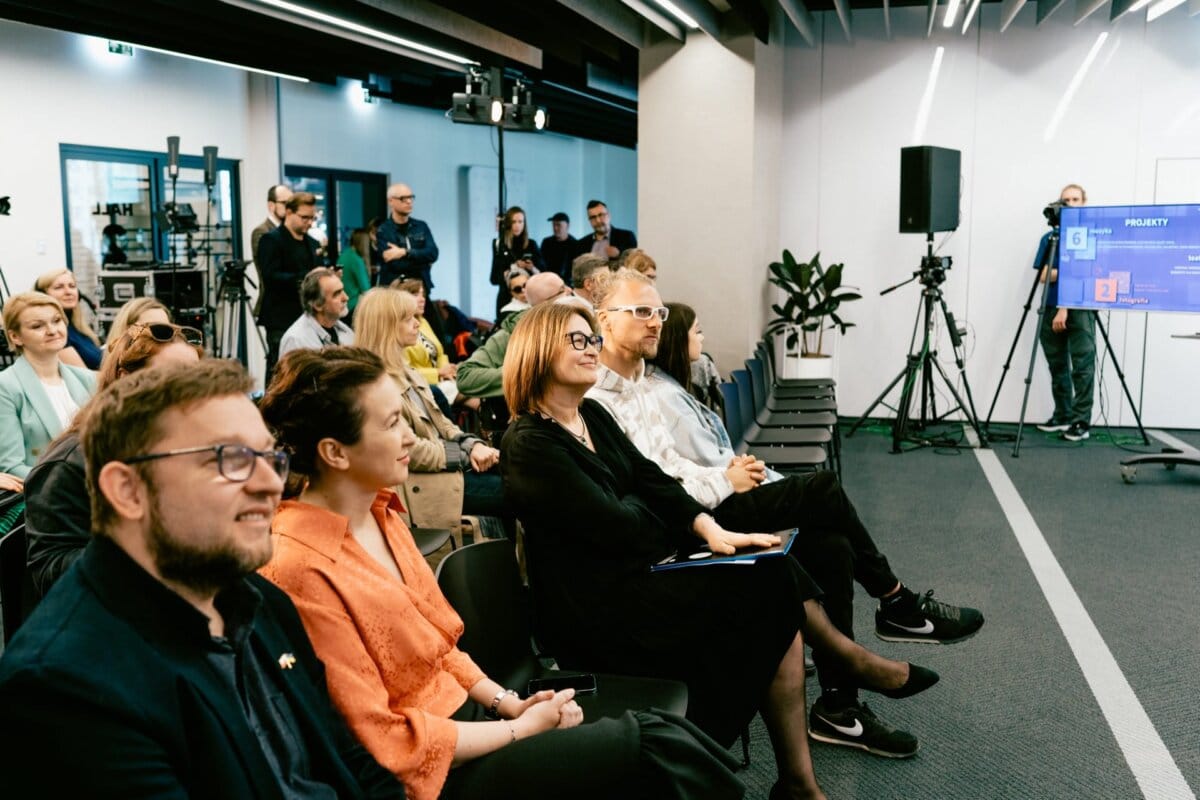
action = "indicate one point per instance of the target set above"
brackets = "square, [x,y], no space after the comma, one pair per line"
[390,649]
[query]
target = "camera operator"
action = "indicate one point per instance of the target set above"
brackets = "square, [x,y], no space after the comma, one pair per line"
[1068,339]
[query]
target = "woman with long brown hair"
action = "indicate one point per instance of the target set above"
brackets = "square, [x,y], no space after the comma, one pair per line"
[513,248]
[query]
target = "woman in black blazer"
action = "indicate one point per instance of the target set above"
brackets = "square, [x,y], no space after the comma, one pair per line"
[597,514]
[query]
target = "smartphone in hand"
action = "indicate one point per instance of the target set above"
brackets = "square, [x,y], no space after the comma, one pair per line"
[582,683]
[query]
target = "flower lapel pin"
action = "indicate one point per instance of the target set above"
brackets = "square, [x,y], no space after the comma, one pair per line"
[287,661]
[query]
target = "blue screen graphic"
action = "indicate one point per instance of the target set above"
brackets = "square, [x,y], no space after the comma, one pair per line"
[1130,258]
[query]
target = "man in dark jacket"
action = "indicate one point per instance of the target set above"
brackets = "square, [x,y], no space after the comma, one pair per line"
[605,241]
[558,250]
[160,664]
[285,256]
[406,244]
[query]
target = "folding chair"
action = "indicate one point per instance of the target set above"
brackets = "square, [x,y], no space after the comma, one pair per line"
[808,450]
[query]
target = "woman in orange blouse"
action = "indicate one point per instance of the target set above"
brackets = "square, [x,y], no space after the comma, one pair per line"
[388,637]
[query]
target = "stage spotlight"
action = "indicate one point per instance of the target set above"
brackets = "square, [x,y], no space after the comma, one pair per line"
[497,110]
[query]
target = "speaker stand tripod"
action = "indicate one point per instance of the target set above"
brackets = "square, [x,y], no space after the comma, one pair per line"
[922,363]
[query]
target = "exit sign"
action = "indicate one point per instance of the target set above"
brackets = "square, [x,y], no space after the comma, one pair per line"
[120,48]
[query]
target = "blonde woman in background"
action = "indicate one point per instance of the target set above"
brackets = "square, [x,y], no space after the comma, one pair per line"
[39,395]
[140,309]
[388,326]
[83,345]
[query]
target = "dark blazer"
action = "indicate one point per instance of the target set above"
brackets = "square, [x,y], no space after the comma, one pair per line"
[107,692]
[617,237]
[58,514]
[264,227]
[282,264]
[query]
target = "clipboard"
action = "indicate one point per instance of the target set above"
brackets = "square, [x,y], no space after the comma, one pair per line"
[702,556]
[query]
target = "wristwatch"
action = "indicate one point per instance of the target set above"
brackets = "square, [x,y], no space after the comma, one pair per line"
[493,711]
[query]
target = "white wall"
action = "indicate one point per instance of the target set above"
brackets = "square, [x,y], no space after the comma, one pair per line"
[59,87]
[328,127]
[849,108]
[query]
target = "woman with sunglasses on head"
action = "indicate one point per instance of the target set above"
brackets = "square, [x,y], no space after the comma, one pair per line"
[597,514]
[83,345]
[388,638]
[139,309]
[39,394]
[515,279]
[58,517]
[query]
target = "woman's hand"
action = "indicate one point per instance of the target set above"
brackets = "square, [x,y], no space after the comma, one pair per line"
[726,543]
[483,457]
[11,482]
[547,711]
[448,372]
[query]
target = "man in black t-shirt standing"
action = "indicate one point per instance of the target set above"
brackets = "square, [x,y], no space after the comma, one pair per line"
[559,249]
[285,256]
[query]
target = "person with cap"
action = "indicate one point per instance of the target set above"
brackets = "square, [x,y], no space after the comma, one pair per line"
[558,249]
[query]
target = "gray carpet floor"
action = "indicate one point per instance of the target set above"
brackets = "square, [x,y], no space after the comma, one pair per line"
[1013,716]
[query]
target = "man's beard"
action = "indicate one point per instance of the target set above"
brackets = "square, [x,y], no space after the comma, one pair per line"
[196,567]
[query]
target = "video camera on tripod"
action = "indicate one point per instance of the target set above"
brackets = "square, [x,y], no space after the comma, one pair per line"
[1052,213]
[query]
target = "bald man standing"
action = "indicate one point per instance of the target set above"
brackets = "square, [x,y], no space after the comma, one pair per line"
[405,243]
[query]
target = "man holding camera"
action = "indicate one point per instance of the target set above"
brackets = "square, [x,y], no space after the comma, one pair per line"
[1068,338]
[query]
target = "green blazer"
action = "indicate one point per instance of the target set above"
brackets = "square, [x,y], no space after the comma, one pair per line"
[27,419]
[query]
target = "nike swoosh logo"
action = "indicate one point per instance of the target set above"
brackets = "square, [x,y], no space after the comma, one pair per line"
[926,628]
[853,730]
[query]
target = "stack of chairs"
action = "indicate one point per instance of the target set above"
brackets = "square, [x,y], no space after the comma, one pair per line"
[789,424]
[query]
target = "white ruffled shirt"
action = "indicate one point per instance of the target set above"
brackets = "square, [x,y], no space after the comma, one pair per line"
[640,416]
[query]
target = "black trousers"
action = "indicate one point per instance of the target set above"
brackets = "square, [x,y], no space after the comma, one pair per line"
[274,338]
[834,547]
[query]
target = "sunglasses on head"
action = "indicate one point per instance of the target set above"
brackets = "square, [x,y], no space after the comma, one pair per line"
[164,332]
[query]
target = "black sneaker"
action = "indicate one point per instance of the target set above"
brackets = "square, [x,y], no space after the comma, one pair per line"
[1053,426]
[910,618]
[857,726]
[1077,432]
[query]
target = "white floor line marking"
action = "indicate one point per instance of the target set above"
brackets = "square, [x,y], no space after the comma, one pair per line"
[1151,763]
[1169,440]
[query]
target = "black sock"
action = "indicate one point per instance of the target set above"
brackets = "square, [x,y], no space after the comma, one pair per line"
[903,594]
[838,698]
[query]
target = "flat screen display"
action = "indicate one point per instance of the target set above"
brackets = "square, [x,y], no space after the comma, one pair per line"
[1130,258]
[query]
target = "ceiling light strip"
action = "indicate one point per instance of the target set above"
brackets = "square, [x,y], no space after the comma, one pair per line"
[970,15]
[927,97]
[1076,81]
[354,27]
[678,13]
[667,24]
[1162,7]
[951,13]
[229,64]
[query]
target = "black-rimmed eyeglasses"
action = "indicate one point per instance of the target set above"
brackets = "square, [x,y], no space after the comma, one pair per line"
[644,312]
[165,332]
[580,341]
[235,462]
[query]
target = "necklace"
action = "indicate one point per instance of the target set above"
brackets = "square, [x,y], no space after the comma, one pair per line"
[579,437]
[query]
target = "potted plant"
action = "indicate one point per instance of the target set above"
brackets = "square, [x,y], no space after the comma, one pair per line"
[814,295]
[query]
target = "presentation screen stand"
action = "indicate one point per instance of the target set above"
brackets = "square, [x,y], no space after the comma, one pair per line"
[1170,457]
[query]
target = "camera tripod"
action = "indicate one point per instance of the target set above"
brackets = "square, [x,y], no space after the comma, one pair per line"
[234,315]
[922,362]
[1049,260]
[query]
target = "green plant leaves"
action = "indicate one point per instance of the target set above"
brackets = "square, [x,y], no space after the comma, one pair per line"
[814,293]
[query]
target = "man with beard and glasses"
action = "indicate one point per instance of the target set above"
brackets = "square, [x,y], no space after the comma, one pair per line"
[160,664]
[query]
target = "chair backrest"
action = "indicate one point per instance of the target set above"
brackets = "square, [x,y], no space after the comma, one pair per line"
[15,585]
[767,358]
[733,413]
[483,584]
[741,379]
[757,378]
[765,349]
